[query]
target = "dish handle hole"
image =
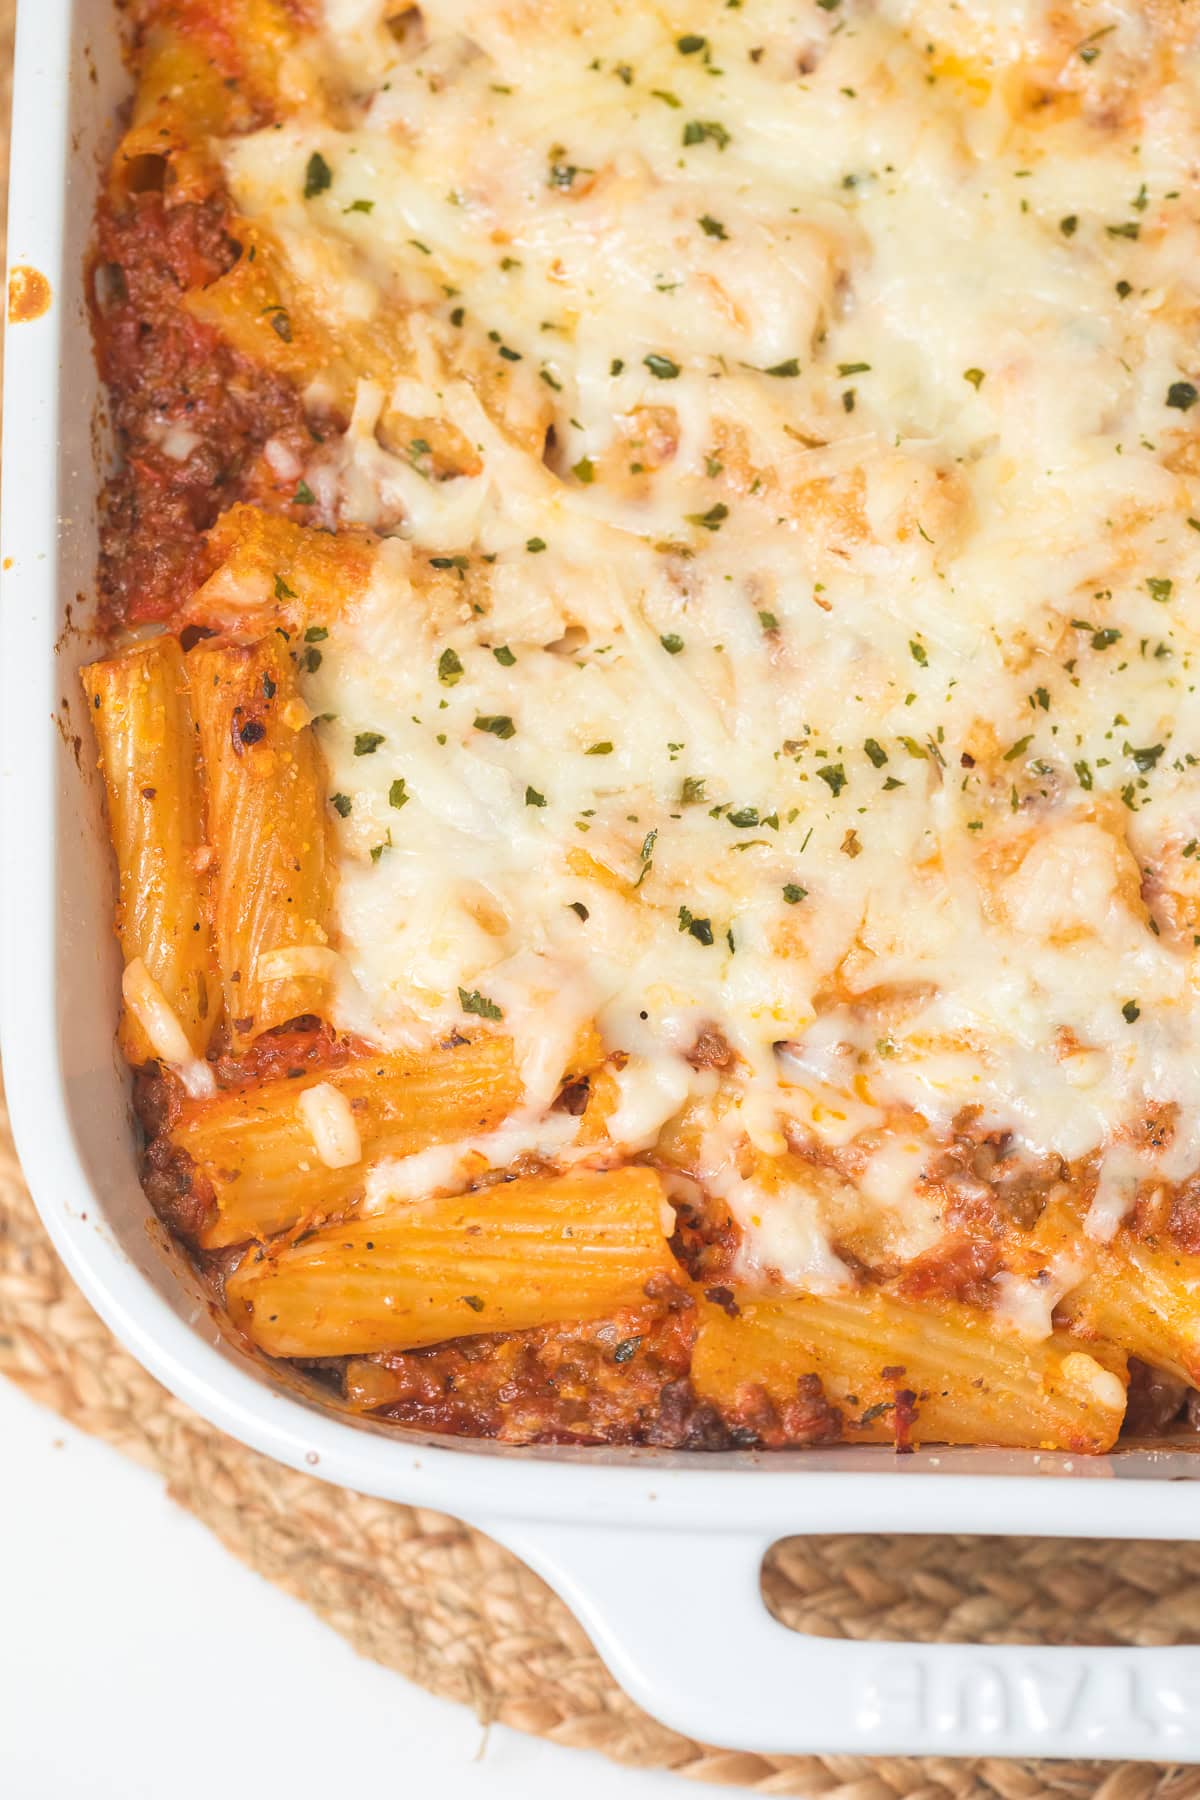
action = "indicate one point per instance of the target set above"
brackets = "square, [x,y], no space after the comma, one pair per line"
[985,1590]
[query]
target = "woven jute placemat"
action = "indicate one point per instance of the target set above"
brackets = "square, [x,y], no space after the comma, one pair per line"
[447,1608]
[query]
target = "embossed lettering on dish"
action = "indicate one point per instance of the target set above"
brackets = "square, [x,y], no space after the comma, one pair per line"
[1041,1696]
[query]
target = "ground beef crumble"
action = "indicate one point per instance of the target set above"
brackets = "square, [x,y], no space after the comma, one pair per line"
[190,414]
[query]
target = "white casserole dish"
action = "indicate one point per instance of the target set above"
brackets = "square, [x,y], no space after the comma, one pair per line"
[658,1554]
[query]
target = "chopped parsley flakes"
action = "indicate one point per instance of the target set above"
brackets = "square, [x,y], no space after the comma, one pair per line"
[710,520]
[317,176]
[705,131]
[700,929]
[479,1004]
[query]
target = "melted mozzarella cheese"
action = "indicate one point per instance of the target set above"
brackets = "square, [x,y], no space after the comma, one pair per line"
[1026,1303]
[1116,1193]
[829,682]
[330,1123]
[447,1168]
[164,1030]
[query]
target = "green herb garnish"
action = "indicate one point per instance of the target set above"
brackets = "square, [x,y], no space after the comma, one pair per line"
[700,131]
[700,929]
[710,520]
[479,1004]
[317,176]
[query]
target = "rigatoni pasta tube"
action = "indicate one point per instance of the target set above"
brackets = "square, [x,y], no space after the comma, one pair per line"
[539,1250]
[260,1148]
[142,718]
[1147,1297]
[266,821]
[934,1373]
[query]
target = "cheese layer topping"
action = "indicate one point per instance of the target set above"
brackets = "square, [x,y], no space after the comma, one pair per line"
[811,660]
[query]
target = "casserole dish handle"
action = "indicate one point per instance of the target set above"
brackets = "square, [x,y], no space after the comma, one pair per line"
[680,1621]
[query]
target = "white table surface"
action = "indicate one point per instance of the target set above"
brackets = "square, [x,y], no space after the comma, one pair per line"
[140,1661]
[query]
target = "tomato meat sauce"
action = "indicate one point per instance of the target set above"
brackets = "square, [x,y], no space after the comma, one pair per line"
[190,414]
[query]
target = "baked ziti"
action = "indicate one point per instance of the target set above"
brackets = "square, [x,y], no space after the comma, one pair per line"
[649,714]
